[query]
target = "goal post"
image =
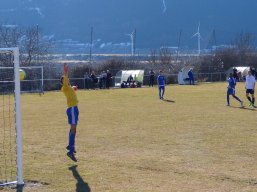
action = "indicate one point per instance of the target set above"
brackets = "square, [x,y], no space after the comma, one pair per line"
[12,81]
[18,117]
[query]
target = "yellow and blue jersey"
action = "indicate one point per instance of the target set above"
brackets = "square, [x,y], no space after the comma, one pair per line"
[69,93]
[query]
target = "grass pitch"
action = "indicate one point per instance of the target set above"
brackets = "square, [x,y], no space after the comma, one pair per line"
[128,140]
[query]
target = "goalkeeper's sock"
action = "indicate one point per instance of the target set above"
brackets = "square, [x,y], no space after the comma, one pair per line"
[69,134]
[72,142]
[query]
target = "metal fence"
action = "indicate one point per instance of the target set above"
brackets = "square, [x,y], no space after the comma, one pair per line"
[87,83]
[199,77]
[211,77]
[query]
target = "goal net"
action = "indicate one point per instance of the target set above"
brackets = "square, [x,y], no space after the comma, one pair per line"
[34,79]
[10,118]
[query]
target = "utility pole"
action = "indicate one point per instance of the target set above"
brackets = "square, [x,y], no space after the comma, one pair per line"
[214,42]
[179,39]
[37,43]
[91,45]
[134,41]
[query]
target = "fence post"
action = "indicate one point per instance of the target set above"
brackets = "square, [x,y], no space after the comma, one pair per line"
[84,81]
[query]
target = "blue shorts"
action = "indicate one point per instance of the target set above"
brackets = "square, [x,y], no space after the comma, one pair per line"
[73,115]
[161,87]
[231,91]
[251,91]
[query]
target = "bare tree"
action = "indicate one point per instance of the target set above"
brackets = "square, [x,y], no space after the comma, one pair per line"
[165,56]
[34,46]
[245,45]
[153,57]
[9,36]
[245,42]
[30,41]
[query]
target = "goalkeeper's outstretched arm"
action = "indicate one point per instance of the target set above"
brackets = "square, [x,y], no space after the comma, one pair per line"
[64,79]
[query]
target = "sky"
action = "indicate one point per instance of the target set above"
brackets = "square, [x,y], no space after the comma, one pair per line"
[157,22]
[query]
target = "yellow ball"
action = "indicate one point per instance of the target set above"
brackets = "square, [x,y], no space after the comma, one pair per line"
[22,75]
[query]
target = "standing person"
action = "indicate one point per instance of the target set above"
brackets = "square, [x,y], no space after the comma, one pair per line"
[249,86]
[104,79]
[94,80]
[232,89]
[161,84]
[130,79]
[72,111]
[191,77]
[135,78]
[151,78]
[100,84]
[108,79]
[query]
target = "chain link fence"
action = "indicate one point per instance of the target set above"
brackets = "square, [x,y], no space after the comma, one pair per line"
[87,83]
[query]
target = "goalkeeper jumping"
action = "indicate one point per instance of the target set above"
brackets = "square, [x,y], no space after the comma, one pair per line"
[72,111]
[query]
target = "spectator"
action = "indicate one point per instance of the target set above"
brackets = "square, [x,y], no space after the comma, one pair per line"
[191,77]
[100,84]
[104,78]
[94,80]
[134,82]
[130,79]
[87,80]
[135,78]
[151,78]
[108,79]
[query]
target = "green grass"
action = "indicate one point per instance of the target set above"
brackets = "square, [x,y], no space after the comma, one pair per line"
[128,140]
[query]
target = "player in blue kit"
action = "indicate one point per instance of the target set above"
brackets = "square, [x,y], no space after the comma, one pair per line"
[161,84]
[232,89]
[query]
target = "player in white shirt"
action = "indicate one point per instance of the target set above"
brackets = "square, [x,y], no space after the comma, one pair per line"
[249,86]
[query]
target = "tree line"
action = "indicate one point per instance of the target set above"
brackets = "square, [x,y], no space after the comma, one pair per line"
[35,49]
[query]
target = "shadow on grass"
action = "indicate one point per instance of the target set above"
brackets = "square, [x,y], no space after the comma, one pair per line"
[81,185]
[245,108]
[168,100]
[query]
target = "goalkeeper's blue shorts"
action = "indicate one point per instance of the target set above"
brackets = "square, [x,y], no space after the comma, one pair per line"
[73,115]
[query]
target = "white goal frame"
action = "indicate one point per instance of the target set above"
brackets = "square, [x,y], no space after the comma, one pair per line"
[18,124]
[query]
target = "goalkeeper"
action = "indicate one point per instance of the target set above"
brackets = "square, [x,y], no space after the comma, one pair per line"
[72,111]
